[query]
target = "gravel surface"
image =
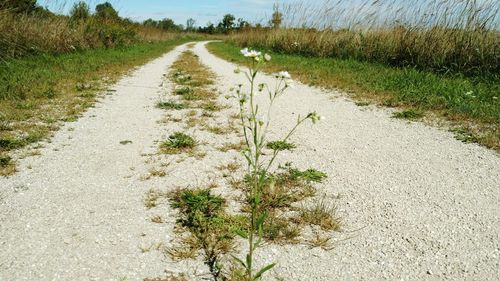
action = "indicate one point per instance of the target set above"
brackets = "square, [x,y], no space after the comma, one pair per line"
[416,204]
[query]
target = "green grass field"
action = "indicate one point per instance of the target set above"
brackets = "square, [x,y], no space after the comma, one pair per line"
[469,104]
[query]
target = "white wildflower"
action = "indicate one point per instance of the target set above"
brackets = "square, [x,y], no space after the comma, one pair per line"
[250,53]
[244,52]
[244,98]
[284,75]
[261,119]
[267,57]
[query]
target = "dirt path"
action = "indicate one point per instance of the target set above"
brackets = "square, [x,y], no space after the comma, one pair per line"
[416,203]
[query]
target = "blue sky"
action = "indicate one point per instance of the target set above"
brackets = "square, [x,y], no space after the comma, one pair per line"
[203,11]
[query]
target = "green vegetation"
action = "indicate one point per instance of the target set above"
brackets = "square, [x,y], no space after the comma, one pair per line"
[211,229]
[280,145]
[171,105]
[472,103]
[177,143]
[407,114]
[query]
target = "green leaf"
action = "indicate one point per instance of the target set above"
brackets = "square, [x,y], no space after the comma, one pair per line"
[239,260]
[242,233]
[258,275]
[249,261]
[260,220]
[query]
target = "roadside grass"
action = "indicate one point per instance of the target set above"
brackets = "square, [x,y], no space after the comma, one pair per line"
[473,104]
[39,92]
[407,114]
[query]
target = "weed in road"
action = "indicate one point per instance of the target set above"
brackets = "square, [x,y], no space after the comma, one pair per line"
[171,105]
[232,146]
[280,145]
[320,214]
[152,197]
[211,228]
[320,241]
[157,219]
[177,143]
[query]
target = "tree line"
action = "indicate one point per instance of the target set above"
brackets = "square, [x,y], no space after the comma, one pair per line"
[105,11]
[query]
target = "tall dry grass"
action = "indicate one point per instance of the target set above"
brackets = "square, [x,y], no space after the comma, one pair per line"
[442,36]
[26,34]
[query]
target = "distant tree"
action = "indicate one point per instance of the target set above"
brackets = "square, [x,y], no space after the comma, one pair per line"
[242,23]
[80,11]
[190,24]
[106,11]
[168,24]
[227,22]
[19,6]
[150,23]
[277,17]
[210,28]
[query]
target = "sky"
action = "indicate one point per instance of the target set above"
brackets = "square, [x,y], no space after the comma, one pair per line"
[203,11]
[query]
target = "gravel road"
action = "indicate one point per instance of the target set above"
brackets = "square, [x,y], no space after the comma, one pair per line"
[416,203]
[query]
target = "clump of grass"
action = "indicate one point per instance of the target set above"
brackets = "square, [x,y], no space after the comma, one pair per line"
[463,135]
[309,175]
[280,145]
[362,103]
[125,142]
[320,214]
[407,114]
[211,106]
[203,214]
[7,166]
[157,219]
[281,190]
[232,146]
[5,161]
[152,197]
[184,91]
[171,105]
[280,230]
[177,143]
[322,242]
